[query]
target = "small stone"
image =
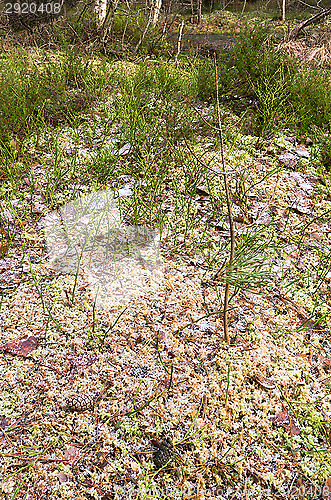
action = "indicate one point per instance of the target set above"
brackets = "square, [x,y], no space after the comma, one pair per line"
[289,159]
[63,478]
[302,152]
[126,149]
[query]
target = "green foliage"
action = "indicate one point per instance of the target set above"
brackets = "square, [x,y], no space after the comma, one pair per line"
[272,92]
[41,93]
[326,154]
[102,165]
[251,264]
[250,57]
[203,80]
[288,93]
[310,98]
[11,168]
[53,89]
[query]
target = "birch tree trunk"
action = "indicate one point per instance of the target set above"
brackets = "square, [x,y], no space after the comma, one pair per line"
[181,27]
[100,10]
[199,11]
[283,10]
[156,12]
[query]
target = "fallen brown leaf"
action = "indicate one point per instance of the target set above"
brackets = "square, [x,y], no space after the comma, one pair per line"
[264,382]
[327,489]
[288,421]
[71,453]
[21,347]
[4,422]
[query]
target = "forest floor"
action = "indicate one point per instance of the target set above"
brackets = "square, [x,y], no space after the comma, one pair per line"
[104,358]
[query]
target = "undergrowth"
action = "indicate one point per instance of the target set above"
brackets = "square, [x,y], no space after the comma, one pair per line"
[38,87]
[90,123]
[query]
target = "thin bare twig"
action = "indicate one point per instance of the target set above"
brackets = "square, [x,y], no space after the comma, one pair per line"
[228,202]
[83,10]
[242,10]
[148,22]
[199,159]
[213,126]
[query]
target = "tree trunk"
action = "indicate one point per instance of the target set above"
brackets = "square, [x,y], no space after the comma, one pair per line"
[100,10]
[283,10]
[293,33]
[199,11]
[179,41]
[156,11]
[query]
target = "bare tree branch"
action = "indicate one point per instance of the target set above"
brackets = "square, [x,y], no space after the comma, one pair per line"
[317,17]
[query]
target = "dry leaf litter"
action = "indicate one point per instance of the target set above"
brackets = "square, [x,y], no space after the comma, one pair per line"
[245,417]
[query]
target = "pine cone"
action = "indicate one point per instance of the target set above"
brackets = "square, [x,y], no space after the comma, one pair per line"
[80,402]
[164,453]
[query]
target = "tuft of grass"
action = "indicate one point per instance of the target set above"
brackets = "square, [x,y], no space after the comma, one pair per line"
[272,92]
[310,99]
[47,91]
[326,154]
[288,93]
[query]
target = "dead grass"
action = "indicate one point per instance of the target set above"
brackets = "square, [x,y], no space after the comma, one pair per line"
[313,48]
